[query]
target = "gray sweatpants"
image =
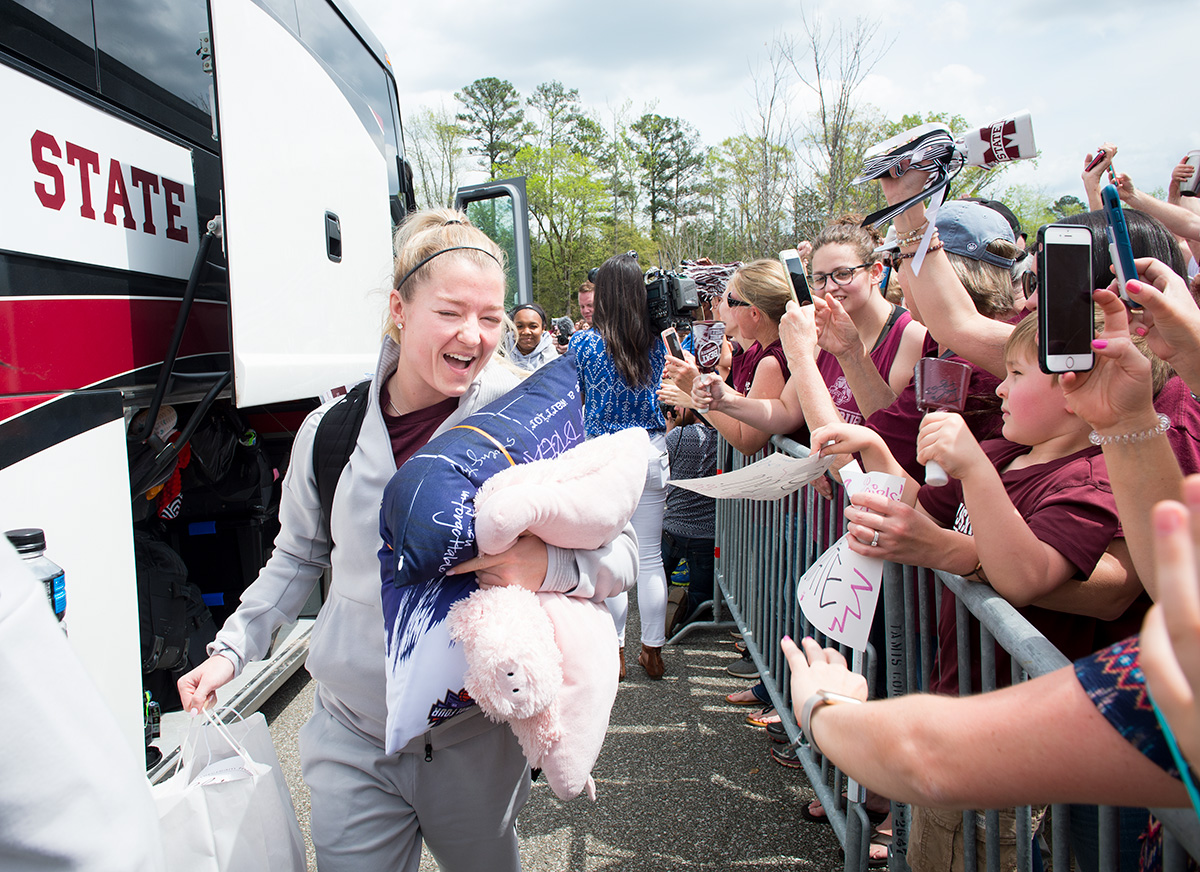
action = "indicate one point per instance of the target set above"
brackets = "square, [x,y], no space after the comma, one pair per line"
[371,811]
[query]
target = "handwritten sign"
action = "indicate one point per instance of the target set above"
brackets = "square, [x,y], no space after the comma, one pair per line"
[839,592]
[771,478]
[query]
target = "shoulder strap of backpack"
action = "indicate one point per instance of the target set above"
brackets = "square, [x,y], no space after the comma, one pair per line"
[334,442]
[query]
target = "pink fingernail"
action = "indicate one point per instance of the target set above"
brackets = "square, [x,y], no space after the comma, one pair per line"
[1141,331]
[1099,343]
[1133,287]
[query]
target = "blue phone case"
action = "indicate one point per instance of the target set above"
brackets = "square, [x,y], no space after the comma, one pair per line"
[1118,240]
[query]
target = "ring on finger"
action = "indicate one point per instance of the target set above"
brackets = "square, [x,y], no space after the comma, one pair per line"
[875,539]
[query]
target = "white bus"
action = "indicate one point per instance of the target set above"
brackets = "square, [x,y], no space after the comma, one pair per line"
[197,206]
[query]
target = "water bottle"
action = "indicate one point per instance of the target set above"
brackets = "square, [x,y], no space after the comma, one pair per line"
[30,543]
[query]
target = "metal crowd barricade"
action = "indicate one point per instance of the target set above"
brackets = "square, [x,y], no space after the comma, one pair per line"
[763,548]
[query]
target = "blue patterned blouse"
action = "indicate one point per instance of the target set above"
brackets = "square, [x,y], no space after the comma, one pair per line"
[1114,683]
[610,405]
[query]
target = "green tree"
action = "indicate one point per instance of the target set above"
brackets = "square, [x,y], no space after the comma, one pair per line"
[757,216]
[566,198]
[558,110]
[1031,204]
[617,160]
[1067,205]
[493,118]
[666,150]
[436,150]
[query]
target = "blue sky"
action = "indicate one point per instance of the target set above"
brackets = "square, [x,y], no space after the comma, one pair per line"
[1087,72]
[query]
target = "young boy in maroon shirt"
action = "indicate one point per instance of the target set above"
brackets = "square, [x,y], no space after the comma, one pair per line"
[1048,504]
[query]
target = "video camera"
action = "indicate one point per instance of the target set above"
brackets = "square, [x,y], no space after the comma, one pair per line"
[670,298]
[563,327]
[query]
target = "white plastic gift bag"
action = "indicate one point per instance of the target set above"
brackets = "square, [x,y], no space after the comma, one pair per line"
[228,808]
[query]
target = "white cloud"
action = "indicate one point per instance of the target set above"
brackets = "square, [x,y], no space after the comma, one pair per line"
[1086,73]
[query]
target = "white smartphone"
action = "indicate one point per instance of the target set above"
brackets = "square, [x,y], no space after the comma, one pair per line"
[1065,308]
[795,268]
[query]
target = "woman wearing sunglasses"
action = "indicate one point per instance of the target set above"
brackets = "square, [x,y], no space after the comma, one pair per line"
[754,300]
[851,331]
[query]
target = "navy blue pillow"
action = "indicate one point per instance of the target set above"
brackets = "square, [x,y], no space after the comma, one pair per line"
[427,524]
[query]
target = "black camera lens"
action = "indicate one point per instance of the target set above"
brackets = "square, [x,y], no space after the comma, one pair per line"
[592,273]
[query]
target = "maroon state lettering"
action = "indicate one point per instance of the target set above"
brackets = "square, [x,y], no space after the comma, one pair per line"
[47,155]
[40,143]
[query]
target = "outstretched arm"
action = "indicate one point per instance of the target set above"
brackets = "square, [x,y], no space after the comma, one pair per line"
[945,306]
[1040,741]
[998,528]
[727,410]
[843,438]
[1170,317]
[1180,221]
[761,404]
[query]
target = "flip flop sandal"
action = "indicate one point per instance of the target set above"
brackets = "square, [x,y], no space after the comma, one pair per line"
[875,817]
[879,839]
[768,715]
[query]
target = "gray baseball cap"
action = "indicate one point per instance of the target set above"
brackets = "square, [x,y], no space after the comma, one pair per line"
[966,228]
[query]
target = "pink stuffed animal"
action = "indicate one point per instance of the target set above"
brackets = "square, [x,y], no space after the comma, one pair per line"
[545,663]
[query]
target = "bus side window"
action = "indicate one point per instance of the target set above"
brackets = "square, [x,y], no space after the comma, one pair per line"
[62,43]
[148,63]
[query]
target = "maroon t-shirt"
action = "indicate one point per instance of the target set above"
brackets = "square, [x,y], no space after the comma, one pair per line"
[1176,402]
[898,423]
[741,371]
[411,432]
[1068,504]
[883,355]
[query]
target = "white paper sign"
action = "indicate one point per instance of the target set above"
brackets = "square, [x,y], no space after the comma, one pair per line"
[775,476]
[839,592]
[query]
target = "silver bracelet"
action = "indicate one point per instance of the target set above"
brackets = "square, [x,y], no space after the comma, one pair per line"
[818,699]
[1164,424]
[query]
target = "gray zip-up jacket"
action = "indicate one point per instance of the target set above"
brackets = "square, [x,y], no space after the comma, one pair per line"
[346,650]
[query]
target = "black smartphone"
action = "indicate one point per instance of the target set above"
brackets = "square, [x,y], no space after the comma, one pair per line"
[671,337]
[1065,308]
[795,268]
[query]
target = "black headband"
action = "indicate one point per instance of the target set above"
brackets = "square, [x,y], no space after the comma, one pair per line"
[426,260]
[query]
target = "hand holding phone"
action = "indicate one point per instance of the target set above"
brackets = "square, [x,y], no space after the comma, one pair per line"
[1101,153]
[795,268]
[671,337]
[1119,246]
[1065,319]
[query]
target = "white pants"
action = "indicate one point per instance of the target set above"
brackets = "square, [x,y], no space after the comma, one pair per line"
[371,811]
[652,580]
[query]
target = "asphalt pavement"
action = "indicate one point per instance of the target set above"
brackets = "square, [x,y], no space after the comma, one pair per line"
[683,783]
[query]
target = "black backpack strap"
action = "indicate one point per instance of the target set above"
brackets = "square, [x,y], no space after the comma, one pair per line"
[334,442]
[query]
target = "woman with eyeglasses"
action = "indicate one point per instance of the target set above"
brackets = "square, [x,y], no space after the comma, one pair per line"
[850,352]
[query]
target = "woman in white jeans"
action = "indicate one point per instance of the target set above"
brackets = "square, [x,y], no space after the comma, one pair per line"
[620,367]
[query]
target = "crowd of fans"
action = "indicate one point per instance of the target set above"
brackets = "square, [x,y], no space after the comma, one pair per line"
[1055,500]
[1063,472]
